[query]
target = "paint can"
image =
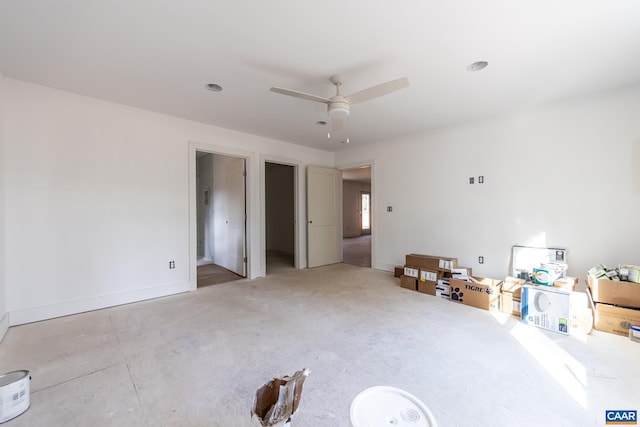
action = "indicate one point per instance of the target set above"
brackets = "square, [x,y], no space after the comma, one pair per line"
[14,394]
[383,406]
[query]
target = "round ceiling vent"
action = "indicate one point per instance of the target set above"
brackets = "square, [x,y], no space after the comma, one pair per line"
[213,87]
[477,66]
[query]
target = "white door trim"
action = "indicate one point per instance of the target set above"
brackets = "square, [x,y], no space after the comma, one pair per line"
[300,253]
[252,168]
[375,215]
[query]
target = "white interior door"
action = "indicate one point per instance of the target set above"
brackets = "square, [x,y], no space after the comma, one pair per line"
[236,217]
[324,233]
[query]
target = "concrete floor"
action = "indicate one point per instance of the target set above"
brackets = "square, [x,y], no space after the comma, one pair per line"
[196,359]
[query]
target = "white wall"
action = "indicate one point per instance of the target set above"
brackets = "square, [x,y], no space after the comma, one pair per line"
[98,198]
[351,193]
[4,318]
[564,176]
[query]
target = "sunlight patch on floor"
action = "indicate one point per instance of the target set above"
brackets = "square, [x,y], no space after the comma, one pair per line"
[564,368]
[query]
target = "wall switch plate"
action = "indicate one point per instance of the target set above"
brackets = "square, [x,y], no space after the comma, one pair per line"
[480,260]
[389,209]
[172,265]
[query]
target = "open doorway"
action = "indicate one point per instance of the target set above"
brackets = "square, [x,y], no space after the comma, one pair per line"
[280,221]
[357,221]
[221,218]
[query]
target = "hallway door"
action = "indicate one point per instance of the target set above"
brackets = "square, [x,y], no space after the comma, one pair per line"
[324,234]
[236,217]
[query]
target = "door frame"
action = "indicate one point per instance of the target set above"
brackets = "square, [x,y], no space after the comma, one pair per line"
[372,205]
[298,254]
[250,190]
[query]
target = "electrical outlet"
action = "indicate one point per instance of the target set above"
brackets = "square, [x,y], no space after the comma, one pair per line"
[480,260]
[481,179]
[172,265]
[471,180]
[389,209]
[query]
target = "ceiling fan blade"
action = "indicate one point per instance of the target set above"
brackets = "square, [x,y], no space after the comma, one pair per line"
[337,123]
[302,95]
[378,90]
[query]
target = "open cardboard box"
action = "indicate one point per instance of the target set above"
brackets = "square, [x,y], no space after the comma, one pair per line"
[614,292]
[482,292]
[613,319]
[277,400]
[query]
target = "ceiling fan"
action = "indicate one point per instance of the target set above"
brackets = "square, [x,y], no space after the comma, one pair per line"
[338,105]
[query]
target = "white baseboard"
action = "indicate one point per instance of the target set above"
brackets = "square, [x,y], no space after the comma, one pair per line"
[35,314]
[204,261]
[4,325]
[384,266]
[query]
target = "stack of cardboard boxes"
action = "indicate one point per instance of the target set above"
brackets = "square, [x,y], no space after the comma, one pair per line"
[442,277]
[538,296]
[511,297]
[616,302]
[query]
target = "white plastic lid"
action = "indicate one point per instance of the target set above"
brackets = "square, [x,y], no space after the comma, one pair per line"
[384,406]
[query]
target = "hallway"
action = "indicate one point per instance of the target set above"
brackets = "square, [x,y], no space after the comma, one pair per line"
[357,250]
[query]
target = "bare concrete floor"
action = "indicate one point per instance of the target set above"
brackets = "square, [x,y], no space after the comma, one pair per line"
[196,359]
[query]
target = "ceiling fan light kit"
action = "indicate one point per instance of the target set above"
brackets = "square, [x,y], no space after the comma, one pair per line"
[338,110]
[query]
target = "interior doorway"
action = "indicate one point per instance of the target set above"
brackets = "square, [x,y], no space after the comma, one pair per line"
[220,218]
[280,221]
[357,219]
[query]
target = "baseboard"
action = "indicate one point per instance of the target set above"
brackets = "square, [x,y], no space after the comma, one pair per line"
[35,314]
[204,261]
[4,325]
[279,252]
[384,266]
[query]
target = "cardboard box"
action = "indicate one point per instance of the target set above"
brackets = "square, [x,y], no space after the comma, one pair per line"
[426,275]
[547,308]
[510,304]
[443,288]
[510,296]
[566,283]
[409,282]
[427,287]
[461,273]
[411,271]
[483,293]
[398,271]
[430,262]
[277,400]
[612,319]
[614,292]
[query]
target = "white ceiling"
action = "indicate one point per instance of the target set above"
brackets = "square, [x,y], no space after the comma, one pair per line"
[159,54]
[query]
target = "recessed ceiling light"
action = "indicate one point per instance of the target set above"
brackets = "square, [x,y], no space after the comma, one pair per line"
[213,87]
[321,123]
[477,66]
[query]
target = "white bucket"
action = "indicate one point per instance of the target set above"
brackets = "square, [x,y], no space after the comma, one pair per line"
[14,394]
[384,406]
